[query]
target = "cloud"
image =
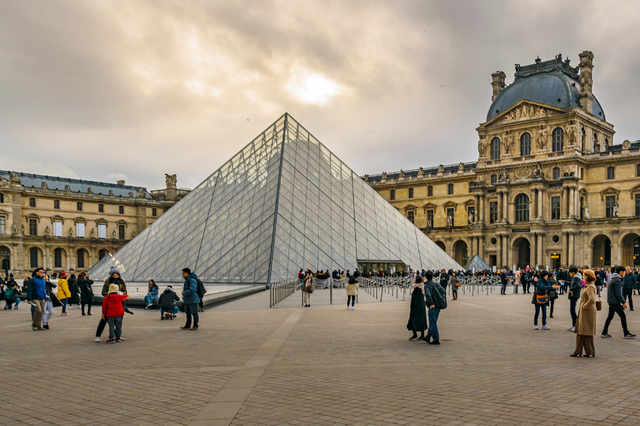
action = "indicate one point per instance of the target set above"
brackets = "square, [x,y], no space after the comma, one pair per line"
[154,87]
[111,177]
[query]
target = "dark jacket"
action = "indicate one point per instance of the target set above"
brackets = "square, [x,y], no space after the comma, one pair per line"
[444,280]
[190,289]
[74,289]
[629,282]
[418,312]
[503,278]
[576,287]
[85,286]
[614,291]
[433,293]
[167,299]
[122,286]
[36,289]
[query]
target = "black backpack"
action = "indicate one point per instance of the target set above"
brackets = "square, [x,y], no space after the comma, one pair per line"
[201,289]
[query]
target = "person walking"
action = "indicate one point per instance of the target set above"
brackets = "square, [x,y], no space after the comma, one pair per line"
[86,292]
[167,303]
[541,298]
[574,294]
[152,294]
[113,311]
[436,300]
[456,283]
[307,289]
[50,302]
[616,302]
[418,311]
[352,291]
[628,285]
[586,323]
[63,292]
[516,280]
[553,294]
[36,294]
[190,298]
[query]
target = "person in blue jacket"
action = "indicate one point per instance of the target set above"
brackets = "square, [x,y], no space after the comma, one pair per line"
[36,294]
[542,289]
[190,298]
[152,294]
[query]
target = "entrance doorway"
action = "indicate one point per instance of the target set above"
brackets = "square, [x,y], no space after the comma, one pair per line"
[631,250]
[556,261]
[382,265]
[460,252]
[601,252]
[524,253]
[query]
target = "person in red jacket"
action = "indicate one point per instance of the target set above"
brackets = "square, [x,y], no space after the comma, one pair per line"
[113,311]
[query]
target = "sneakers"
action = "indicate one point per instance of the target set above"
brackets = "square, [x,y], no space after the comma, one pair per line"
[605,335]
[34,328]
[40,327]
[97,340]
[16,308]
[629,336]
[434,342]
[572,329]
[545,327]
[64,314]
[162,317]
[535,327]
[46,326]
[119,340]
[110,341]
[353,308]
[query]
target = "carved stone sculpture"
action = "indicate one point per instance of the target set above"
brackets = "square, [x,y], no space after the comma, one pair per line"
[93,232]
[441,168]
[572,134]
[171,180]
[482,146]
[70,232]
[14,229]
[429,223]
[616,209]
[401,174]
[113,234]
[586,211]
[14,179]
[450,221]
[542,138]
[47,231]
[471,218]
[23,229]
[461,167]
[508,140]
[384,175]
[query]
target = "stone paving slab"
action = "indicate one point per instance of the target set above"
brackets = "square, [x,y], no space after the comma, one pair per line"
[324,365]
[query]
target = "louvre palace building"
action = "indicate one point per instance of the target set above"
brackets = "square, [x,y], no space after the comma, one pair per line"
[64,224]
[549,187]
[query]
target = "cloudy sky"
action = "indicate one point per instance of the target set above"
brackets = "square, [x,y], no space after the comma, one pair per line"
[106,90]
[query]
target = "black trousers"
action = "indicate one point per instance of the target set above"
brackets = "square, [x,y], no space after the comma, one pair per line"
[503,290]
[572,310]
[616,308]
[351,299]
[628,293]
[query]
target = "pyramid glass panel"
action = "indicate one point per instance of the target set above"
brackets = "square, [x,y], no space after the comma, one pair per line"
[282,203]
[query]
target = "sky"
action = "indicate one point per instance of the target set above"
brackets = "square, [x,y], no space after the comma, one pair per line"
[110,90]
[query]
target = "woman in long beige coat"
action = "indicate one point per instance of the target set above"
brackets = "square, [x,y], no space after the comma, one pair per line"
[586,324]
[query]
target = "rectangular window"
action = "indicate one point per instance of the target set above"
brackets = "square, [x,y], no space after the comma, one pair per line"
[637,204]
[57,229]
[80,259]
[154,212]
[80,230]
[2,224]
[611,202]
[121,209]
[33,227]
[410,192]
[637,172]
[429,218]
[56,204]
[430,191]
[101,208]
[121,232]
[493,212]
[611,172]
[32,202]
[102,230]
[1,198]
[57,258]
[411,216]
[555,208]
[33,257]
[79,206]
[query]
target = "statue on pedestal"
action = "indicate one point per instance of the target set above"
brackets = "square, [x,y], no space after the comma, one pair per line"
[171,180]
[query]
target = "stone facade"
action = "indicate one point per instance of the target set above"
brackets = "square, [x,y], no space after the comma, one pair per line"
[549,187]
[69,224]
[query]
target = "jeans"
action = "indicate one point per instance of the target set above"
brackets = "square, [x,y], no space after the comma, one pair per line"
[64,305]
[191,309]
[572,310]
[616,308]
[115,327]
[148,300]
[351,299]
[433,324]
[9,305]
[544,314]
[628,293]
[175,310]
[48,312]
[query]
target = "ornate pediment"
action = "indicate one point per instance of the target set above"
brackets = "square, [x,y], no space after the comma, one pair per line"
[524,110]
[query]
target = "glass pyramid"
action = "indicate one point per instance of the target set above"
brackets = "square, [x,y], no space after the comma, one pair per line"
[282,203]
[478,263]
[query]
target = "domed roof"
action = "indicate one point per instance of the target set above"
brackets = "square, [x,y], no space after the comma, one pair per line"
[554,88]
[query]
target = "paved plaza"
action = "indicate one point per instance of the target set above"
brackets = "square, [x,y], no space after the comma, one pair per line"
[324,365]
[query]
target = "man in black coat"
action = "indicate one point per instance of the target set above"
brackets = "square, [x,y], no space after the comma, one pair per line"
[504,280]
[628,285]
[435,298]
[574,295]
[167,302]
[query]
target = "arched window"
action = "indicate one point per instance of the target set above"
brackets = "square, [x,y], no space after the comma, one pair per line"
[558,139]
[522,208]
[450,189]
[393,195]
[430,191]
[556,172]
[525,144]
[494,179]
[410,192]
[495,149]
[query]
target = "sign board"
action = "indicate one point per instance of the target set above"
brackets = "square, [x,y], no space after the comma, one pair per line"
[473,270]
[494,268]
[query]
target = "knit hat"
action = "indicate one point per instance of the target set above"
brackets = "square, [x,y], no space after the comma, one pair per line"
[589,275]
[113,288]
[114,270]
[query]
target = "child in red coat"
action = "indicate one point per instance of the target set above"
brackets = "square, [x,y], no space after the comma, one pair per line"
[113,311]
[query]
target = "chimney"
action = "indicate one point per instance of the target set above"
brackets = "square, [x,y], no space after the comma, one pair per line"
[497,83]
[120,182]
[586,81]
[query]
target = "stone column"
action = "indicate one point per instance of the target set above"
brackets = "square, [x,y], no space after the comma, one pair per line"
[540,257]
[500,206]
[499,252]
[505,250]
[539,203]
[570,260]
[482,206]
[481,247]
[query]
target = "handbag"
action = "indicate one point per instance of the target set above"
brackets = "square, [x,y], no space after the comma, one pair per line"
[598,305]
[542,300]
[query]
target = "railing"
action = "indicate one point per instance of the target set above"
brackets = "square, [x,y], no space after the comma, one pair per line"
[281,290]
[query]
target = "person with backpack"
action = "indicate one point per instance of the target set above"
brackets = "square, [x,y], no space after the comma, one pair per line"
[436,300]
[616,302]
[541,298]
[307,289]
[50,302]
[190,298]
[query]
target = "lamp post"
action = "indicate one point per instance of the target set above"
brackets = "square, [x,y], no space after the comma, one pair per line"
[7,256]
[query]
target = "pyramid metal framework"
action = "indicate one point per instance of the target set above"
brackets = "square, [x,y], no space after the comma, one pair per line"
[478,263]
[282,203]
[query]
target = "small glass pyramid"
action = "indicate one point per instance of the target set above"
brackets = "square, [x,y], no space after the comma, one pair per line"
[282,203]
[478,263]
